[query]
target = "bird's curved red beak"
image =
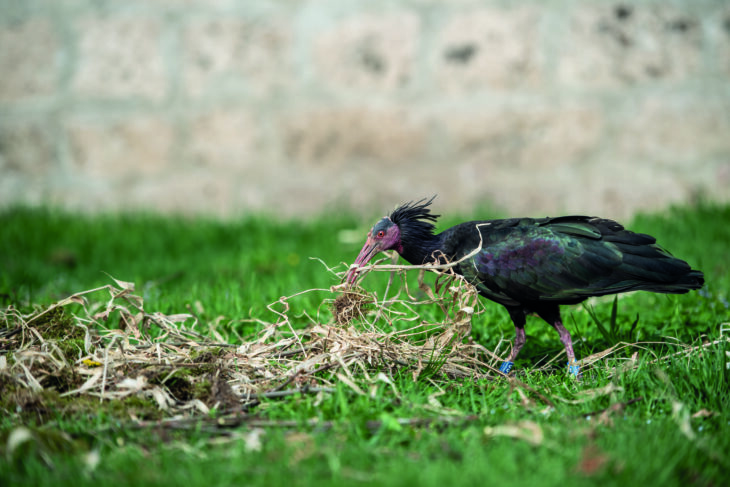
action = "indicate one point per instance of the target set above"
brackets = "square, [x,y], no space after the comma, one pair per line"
[369,250]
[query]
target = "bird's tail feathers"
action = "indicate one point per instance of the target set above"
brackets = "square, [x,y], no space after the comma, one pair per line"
[654,269]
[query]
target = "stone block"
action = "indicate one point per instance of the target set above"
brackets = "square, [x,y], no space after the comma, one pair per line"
[488,49]
[15,190]
[369,52]
[721,33]
[235,55]
[29,55]
[617,45]
[187,191]
[337,136]
[526,136]
[127,150]
[602,186]
[222,139]
[28,163]
[120,57]
[27,149]
[183,6]
[675,129]
[613,187]
[720,182]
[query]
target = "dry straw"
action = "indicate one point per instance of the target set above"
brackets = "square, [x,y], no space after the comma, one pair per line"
[103,343]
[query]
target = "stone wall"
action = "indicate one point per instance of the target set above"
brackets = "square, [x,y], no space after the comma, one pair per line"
[294,106]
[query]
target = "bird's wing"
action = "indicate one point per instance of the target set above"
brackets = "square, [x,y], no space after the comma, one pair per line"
[536,260]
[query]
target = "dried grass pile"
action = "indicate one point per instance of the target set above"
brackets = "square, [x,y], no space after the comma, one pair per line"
[103,345]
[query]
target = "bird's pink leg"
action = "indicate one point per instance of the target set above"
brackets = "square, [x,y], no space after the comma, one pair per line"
[552,316]
[573,367]
[566,340]
[519,320]
[520,339]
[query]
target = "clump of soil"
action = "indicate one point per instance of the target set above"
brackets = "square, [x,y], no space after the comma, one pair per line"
[350,305]
[221,395]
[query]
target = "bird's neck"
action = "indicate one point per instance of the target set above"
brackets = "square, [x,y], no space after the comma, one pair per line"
[419,249]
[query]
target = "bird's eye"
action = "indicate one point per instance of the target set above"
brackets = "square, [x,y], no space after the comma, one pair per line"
[380,234]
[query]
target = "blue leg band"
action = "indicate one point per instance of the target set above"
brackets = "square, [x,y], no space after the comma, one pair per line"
[574,369]
[506,367]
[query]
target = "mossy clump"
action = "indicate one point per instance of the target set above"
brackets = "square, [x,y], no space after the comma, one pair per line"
[204,355]
[31,406]
[133,406]
[57,325]
[39,407]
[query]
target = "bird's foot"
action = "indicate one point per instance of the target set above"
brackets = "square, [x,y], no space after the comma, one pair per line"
[574,370]
[506,367]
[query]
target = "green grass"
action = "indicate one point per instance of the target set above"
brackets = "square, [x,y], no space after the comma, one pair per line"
[663,423]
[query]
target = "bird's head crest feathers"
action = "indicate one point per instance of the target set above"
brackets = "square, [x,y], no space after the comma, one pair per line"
[417,212]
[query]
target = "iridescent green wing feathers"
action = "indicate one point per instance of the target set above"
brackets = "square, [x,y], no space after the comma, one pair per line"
[564,260]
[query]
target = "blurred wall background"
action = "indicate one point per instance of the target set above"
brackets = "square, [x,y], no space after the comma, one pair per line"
[226,107]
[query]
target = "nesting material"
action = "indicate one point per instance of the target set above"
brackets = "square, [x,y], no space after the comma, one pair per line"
[103,344]
[350,305]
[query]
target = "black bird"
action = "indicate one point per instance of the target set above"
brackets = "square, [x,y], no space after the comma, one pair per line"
[533,265]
